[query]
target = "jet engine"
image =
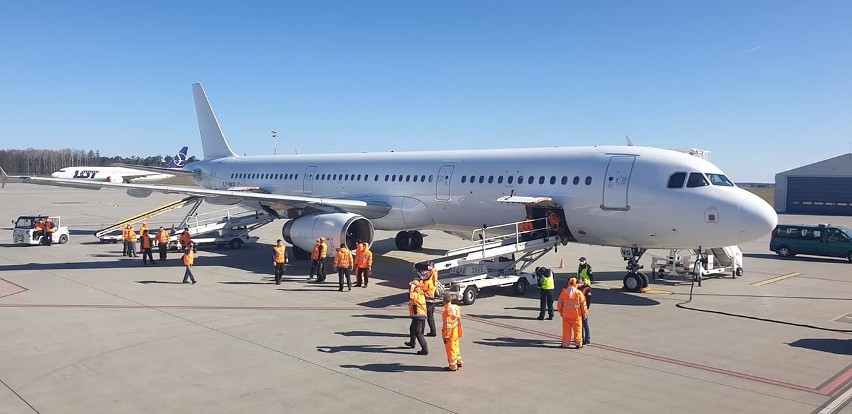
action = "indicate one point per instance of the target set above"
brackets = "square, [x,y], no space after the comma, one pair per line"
[335,227]
[115,179]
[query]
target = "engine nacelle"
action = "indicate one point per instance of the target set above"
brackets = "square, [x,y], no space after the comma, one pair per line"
[138,193]
[115,179]
[335,227]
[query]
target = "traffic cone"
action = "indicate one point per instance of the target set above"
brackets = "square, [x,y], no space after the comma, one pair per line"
[561,263]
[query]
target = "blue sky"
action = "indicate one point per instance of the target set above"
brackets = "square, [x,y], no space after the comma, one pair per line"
[765,85]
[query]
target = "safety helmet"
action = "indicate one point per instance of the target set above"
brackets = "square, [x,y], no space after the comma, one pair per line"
[322,239]
[572,281]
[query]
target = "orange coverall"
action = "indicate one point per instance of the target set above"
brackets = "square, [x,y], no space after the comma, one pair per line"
[452,332]
[572,307]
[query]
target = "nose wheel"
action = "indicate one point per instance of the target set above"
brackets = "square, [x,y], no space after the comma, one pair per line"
[634,281]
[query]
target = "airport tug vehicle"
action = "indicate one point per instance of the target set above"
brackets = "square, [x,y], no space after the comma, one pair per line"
[25,232]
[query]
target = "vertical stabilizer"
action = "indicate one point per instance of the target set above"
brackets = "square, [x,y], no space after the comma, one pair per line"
[213,141]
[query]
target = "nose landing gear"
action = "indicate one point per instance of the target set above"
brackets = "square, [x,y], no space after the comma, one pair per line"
[634,281]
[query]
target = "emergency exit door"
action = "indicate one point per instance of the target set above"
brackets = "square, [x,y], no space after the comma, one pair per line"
[442,185]
[617,182]
[308,181]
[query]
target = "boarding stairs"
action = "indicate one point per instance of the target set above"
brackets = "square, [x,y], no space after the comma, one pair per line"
[226,226]
[104,233]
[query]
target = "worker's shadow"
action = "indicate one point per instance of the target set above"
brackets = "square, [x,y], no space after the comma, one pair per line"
[528,317]
[518,343]
[161,282]
[372,334]
[381,316]
[373,349]
[394,367]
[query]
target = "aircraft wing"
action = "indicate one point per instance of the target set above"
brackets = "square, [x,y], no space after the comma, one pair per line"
[236,194]
[514,199]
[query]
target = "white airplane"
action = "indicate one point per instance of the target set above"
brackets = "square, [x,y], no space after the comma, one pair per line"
[623,196]
[122,174]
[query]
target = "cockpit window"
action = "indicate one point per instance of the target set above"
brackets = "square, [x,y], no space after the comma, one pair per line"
[696,180]
[677,179]
[719,179]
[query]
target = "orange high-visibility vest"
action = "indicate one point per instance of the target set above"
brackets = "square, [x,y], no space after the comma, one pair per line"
[315,254]
[526,226]
[343,259]
[163,236]
[452,321]
[125,233]
[188,258]
[365,258]
[572,303]
[430,285]
[324,251]
[280,254]
[49,226]
[416,300]
[146,240]
[144,226]
[185,238]
[131,236]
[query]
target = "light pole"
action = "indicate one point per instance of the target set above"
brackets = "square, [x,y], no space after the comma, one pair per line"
[275,138]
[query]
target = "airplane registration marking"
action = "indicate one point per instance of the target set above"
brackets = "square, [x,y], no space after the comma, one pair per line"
[776,279]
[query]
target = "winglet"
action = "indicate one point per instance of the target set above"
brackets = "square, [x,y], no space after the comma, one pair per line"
[213,141]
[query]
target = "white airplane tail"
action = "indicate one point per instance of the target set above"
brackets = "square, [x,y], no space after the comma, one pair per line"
[213,141]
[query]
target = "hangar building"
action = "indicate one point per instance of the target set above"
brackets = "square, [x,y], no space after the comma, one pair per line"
[824,187]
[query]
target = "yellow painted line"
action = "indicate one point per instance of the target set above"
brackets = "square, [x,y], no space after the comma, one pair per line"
[657,292]
[776,279]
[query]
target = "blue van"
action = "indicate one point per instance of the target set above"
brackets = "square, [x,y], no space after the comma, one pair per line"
[789,240]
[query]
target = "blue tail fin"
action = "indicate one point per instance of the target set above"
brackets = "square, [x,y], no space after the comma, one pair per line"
[179,160]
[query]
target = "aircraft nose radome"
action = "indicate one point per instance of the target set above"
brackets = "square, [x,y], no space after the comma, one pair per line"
[55,175]
[758,217]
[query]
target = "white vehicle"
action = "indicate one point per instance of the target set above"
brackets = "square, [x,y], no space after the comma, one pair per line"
[25,230]
[121,174]
[622,196]
[685,263]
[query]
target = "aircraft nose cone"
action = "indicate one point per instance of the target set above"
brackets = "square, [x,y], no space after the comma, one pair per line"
[757,217]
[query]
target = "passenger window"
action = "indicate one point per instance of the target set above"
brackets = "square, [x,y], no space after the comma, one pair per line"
[696,180]
[564,180]
[464,179]
[552,180]
[530,180]
[415,178]
[481,179]
[499,179]
[393,178]
[430,178]
[576,180]
[387,177]
[423,178]
[520,179]
[541,180]
[407,178]
[490,179]
[376,178]
[511,177]
[676,180]
[296,177]
[588,180]
[472,179]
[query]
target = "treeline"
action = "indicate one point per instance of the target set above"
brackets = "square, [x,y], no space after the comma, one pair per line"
[44,162]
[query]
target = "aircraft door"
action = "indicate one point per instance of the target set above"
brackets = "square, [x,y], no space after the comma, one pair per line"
[308,181]
[617,182]
[442,186]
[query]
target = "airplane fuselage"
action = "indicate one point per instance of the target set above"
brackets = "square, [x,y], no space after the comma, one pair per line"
[615,196]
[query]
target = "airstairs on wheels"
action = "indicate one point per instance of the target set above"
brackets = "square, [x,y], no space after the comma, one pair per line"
[229,226]
[697,265]
[498,260]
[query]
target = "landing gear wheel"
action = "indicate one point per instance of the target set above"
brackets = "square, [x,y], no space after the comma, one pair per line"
[469,295]
[645,280]
[63,239]
[632,282]
[403,240]
[301,254]
[236,243]
[520,287]
[416,240]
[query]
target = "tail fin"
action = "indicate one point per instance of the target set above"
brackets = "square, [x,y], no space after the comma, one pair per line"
[179,160]
[213,141]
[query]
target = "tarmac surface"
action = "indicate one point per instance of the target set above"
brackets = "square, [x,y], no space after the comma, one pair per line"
[85,330]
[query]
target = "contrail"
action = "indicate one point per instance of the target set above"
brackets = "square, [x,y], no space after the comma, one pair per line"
[752,49]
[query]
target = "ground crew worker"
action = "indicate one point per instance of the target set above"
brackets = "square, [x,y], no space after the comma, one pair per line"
[125,238]
[143,227]
[343,263]
[38,230]
[572,307]
[48,232]
[188,261]
[526,228]
[417,312]
[585,277]
[430,286]
[145,247]
[131,242]
[279,258]
[163,242]
[318,256]
[185,239]
[452,332]
[364,262]
[546,284]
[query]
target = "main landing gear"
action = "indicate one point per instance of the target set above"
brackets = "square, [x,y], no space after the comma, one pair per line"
[634,281]
[409,240]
